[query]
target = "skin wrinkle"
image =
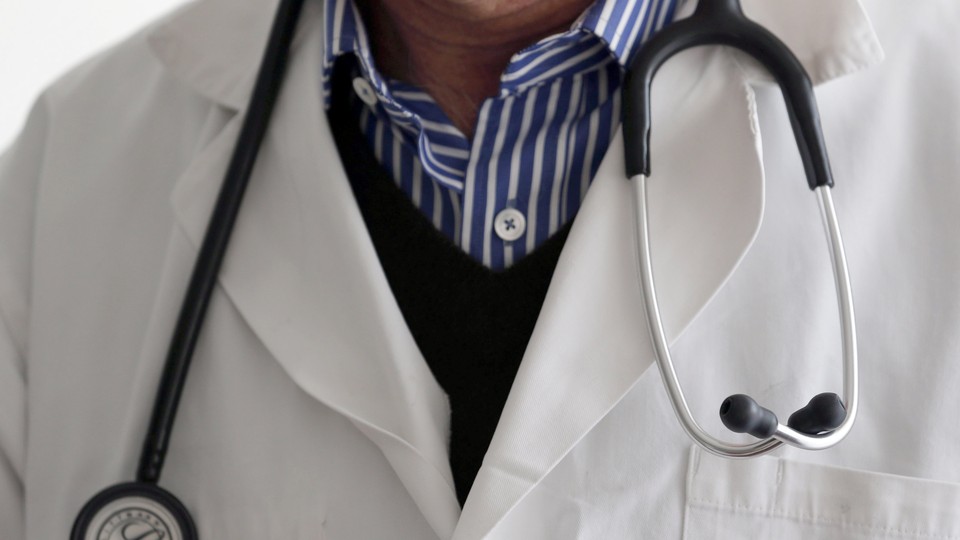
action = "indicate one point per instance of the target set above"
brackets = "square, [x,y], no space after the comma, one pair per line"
[456,50]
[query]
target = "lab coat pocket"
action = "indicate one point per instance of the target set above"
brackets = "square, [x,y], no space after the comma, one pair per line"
[777,498]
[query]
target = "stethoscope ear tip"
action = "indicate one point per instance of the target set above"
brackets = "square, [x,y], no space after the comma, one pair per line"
[823,413]
[742,414]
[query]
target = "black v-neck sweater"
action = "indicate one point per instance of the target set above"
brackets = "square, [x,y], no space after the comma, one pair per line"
[471,324]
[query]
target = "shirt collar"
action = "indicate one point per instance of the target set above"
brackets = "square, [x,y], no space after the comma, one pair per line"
[830,37]
[624,25]
[618,26]
[346,33]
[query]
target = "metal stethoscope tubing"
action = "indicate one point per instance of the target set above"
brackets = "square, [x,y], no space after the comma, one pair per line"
[827,419]
[783,433]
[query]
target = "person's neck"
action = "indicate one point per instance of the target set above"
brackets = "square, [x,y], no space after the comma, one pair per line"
[456,50]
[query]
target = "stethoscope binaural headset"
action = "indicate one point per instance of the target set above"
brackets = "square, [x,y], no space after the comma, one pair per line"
[142,507]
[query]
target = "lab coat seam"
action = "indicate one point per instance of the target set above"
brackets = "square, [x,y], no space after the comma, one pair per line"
[693,469]
[810,518]
[696,462]
[20,369]
[18,349]
[18,472]
[43,106]
[12,454]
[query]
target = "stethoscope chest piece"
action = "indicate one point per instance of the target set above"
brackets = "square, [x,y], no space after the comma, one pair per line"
[134,510]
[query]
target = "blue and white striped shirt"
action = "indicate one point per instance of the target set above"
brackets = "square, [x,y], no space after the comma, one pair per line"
[537,145]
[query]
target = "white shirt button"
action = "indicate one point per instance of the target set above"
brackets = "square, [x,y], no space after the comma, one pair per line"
[365,90]
[509,224]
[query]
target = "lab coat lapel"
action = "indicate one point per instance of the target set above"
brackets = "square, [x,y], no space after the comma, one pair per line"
[591,343]
[215,46]
[303,273]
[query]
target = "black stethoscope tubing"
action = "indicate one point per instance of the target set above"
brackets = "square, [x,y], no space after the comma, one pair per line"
[214,247]
[197,298]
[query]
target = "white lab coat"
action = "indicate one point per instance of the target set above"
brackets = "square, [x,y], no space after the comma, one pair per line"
[310,413]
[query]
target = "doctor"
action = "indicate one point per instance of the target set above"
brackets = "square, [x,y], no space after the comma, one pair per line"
[314,409]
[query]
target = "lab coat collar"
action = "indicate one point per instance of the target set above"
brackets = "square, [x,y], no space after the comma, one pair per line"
[215,46]
[303,273]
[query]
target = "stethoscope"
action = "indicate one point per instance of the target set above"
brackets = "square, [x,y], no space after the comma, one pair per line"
[140,508]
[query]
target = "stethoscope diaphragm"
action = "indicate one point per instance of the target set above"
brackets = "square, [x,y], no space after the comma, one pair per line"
[134,510]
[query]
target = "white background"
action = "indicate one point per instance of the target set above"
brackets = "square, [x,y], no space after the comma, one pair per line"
[41,39]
